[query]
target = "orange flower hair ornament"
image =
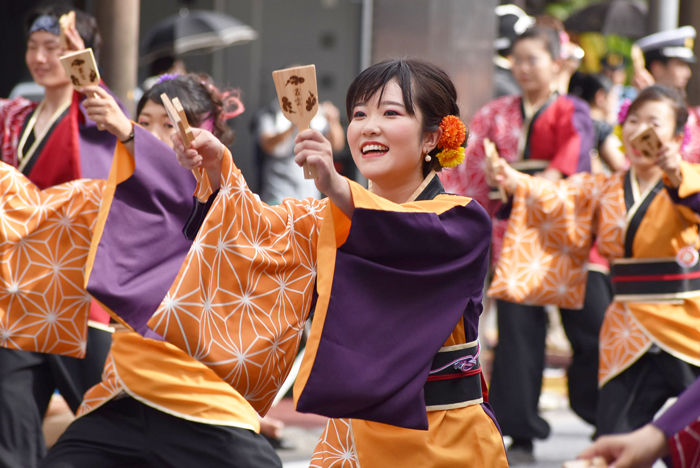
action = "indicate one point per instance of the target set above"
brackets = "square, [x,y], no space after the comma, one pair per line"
[454,132]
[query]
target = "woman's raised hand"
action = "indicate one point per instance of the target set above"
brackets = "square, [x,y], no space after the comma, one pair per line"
[499,173]
[105,112]
[206,151]
[669,159]
[313,149]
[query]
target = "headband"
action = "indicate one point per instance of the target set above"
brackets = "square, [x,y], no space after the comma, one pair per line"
[45,23]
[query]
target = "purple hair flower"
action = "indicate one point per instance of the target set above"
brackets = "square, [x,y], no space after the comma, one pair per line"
[167,77]
[624,109]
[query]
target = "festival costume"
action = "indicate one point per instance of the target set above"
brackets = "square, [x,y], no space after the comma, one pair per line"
[655,307]
[558,135]
[246,288]
[144,378]
[71,147]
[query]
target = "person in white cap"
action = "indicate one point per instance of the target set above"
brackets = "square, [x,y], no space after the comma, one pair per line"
[667,57]
[512,22]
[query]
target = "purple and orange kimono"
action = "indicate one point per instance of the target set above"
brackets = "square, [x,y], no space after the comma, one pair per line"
[395,294]
[70,148]
[45,244]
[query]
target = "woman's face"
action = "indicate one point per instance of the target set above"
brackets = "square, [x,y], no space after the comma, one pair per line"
[43,53]
[533,68]
[386,142]
[658,115]
[154,119]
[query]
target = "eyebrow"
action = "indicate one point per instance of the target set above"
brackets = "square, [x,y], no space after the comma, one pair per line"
[383,103]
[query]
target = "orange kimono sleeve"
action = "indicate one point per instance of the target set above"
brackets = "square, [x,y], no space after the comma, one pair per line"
[245,289]
[545,250]
[44,242]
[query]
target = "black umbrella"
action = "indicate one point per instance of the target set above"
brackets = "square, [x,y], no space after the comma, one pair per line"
[194,31]
[625,18]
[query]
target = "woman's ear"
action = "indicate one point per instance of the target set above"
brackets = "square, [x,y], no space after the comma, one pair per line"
[430,140]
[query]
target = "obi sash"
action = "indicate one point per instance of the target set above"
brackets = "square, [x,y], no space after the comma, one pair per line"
[654,279]
[454,380]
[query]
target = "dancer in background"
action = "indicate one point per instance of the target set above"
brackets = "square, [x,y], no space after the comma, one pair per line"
[50,143]
[646,220]
[551,135]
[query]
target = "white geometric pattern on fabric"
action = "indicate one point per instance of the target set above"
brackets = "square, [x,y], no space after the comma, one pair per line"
[44,242]
[268,254]
[336,448]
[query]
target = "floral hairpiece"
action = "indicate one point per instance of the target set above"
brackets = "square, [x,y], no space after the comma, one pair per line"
[167,77]
[621,117]
[454,132]
[624,110]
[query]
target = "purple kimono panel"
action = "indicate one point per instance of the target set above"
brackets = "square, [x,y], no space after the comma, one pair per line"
[96,146]
[692,201]
[402,282]
[142,246]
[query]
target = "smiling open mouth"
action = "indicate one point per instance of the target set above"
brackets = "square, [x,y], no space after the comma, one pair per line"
[374,149]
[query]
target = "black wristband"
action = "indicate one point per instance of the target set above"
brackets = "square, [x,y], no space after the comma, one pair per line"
[131,137]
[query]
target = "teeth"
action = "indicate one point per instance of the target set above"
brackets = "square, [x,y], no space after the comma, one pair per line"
[367,148]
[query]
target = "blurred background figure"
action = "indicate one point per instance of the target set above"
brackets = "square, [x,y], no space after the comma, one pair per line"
[599,92]
[512,22]
[667,58]
[280,176]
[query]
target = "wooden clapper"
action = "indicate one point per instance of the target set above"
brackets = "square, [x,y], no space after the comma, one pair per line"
[298,97]
[82,70]
[491,158]
[176,114]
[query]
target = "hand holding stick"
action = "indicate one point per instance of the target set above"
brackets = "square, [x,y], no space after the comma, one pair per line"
[298,97]
[492,158]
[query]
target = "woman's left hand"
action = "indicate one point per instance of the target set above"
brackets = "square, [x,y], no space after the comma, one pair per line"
[669,159]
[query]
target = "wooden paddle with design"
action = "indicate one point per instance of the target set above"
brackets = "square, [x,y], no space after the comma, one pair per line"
[298,97]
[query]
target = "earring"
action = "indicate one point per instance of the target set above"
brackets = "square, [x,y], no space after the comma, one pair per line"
[427,158]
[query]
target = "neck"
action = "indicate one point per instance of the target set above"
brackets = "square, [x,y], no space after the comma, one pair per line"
[57,96]
[648,174]
[537,98]
[397,193]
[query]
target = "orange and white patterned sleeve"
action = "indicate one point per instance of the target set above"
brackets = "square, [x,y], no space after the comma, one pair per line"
[546,246]
[44,243]
[244,292]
